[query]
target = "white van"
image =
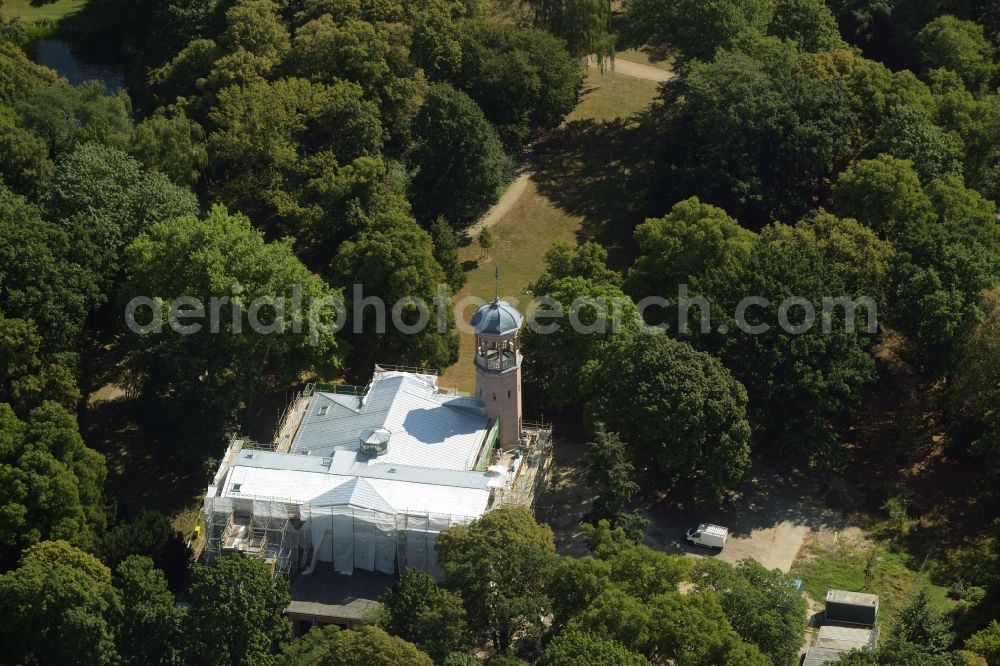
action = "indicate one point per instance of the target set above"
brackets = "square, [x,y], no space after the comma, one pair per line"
[712,536]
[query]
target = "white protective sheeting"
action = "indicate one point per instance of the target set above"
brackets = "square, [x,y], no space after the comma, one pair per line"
[369,540]
[343,540]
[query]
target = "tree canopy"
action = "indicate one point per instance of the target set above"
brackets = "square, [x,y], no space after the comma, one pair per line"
[58,608]
[258,339]
[679,408]
[333,646]
[236,612]
[51,484]
[460,164]
[506,601]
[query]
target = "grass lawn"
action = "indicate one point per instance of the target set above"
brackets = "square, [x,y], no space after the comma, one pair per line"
[841,565]
[559,202]
[30,11]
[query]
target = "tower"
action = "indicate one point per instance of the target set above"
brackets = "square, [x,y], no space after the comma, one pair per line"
[498,366]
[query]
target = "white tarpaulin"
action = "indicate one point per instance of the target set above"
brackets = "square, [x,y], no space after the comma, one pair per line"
[350,538]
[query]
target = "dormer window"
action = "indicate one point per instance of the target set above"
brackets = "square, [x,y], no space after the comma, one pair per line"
[323,410]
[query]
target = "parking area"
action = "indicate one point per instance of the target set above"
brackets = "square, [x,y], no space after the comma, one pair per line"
[769,516]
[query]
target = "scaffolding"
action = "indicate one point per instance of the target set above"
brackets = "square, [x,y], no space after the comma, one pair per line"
[352,538]
[262,529]
[529,467]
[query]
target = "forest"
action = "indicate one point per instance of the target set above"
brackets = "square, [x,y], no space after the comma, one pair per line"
[799,149]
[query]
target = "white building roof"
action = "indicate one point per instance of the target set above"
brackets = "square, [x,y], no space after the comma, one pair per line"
[322,489]
[425,428]
[433,442]
[852,598]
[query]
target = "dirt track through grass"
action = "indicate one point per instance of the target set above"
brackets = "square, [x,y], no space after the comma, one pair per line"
[526,225]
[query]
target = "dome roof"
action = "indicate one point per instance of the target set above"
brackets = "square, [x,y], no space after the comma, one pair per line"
[496,318]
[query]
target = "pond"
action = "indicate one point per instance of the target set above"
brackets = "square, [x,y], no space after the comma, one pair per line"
[78,64]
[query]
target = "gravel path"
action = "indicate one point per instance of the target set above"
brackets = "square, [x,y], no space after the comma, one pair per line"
[520,184]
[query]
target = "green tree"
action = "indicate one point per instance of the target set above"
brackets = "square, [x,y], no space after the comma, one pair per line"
[460,164]
[149,631]
[419,611]
[803,359]
[919,623]
[809,23]
[50,483]
[150,534]
[524,80]
[445,242]
[375,55]
[869,87]
[578,322]
[574,583]
[393,259]
[952,200]
[577,648]
[151,31]
[173,144]
[986,643]
[485,242]
[895,652]
[40,278]
[696,27]
[583,24]
[296,156]
[64,116]
[58,606]
[565,260]
[861,259]
[910,133]
[25,166]
[681,409]
[611,472]
[692,630]
[692,239]
[960,46]
[764,607]
[104,200]
[223,258]
[236,612]
[255,27]
[27,377]
[641,571]
[333,646]
[941,269]
[618,616]
[506,599]
[884,194]
[753,132]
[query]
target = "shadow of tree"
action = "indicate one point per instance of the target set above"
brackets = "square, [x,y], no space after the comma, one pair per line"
[145,467]
[599,171]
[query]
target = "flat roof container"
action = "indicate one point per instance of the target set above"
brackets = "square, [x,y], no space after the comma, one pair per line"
[845,638]
[817,656]
[857,608]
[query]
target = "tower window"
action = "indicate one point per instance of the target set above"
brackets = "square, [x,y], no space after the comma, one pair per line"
[494,396]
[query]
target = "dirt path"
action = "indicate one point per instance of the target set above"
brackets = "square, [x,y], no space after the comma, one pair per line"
[636,70]
[520,184]
[502,207]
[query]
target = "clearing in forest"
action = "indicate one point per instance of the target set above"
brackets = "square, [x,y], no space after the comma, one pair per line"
[576,189]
